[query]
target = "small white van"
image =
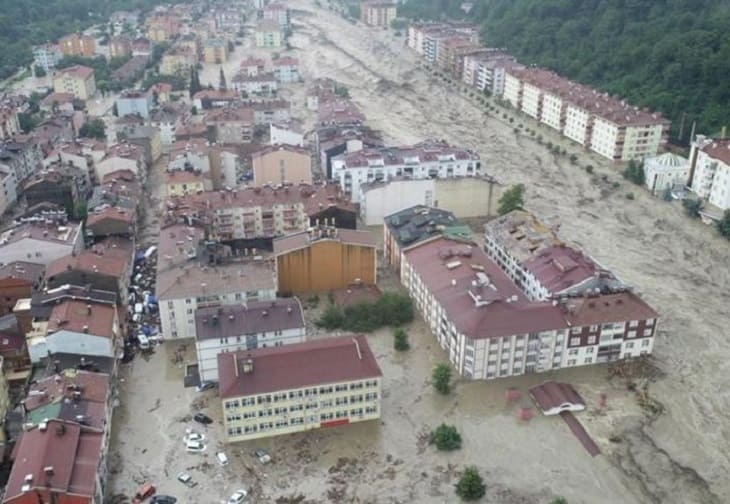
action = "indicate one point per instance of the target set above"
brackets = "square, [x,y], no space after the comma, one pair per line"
[144,341]
[222,458]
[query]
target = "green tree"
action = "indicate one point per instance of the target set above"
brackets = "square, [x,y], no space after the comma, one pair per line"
[342,91]
[93,129]
[559,500]
[512,199]
[446,438]
[693,207]
[634,172]
[441,377]
[222,81]
[195,85]
[723,225]
[332,318]
[81,211]
[39,71]
[27,122]
[471,487]
[400,340]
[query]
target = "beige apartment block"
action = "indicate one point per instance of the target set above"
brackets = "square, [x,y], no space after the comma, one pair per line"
[578,124]
[278,164]
[553,111]
[77,45]
[77,80]
[292,388]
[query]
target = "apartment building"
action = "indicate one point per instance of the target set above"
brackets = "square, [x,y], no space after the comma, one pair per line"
[424,38]
[378,13]
[46,56]
[279,164]
[77,45]
[324,258]
[178,61]
[9,192]
[606,125]
[215,50]
[259,214]
[710,171]
[318,384]
[19,280]
[666,171]
[77,80]
[286,69]
[278,13]
[256,324]
[135,102]
[193,274]
[491,329]
[429,159]
[231,125]
[262,83]
[40,243]
[182,182]
[268,34]
[120,46]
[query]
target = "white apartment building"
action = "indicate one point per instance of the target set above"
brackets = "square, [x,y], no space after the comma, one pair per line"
[710,171]
[490,329]
[40,243]
[185,282]
[425,160]
[666,171]
[256,324]
[323,383]
[606,125]
[8,191]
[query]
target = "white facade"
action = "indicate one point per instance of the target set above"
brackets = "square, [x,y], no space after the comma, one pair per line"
[284,136]
[552,111]
[578,124]
[512,90]
[257,84]
[711,165]
[378,202]
[46,56]
[667,171]
[286,73]
[8,188]
[208,349]
[115,163]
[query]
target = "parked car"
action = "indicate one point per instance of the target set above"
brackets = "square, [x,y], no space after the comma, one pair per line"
[238,497]
[186,479]
[261,454]
[206,385]
[193,436]
[146,490]
[163,499]
[194,447]
[222,458]
[203,418]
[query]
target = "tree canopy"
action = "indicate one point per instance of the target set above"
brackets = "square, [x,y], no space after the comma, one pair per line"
[669,55]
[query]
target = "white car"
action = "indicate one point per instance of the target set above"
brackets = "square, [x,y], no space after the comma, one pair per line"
[222,458]
[193,436]
[194,447]
[238,497]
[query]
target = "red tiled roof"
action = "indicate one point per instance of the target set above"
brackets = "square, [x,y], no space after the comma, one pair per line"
[561,267]
[318,362]
[110,257]
[81,71]
[285,61]
[72,315]
[182,177]
[126,215]
[296,241]
[92,386]
[72,451]
[619,307]
[252,318]
[718,149]
[280,147]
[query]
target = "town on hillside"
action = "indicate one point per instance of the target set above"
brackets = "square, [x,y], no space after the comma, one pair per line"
[309,251]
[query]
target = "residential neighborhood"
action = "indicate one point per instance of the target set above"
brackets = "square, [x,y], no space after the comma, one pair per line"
[296,251]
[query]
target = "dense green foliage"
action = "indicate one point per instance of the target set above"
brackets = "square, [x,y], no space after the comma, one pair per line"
[400,340]
[24,23]
[446,438]
[723,225]
[93,129]
[693,207]
[669,55]
[441,377]
[634,172]
[471,486]
[559,500]
[391,309]
[512,199]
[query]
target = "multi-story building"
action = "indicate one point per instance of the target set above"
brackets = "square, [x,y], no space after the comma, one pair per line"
[486,70]
[9,192]
[134,102]
[323,383]
[428,159]
[161,27]
[120,46]
[286,69]
[279,164]
[490,329]
[123,156]
[278,13]
[464,196]
[419,33]
[215,50]
[77,45]
[667,171]
[268,34]
[262,83]
[77,80]
[178,60]
[40,243]
[285,134]
[324,258]
[9,121]
[410,226]
[259,214]
[19,280]
[22,156]
[65,186]
[257,324]
[606,125]
[710,171]
[228,19]
[182,182]
[192,276]
[378,13]
[231,125]
[46,56]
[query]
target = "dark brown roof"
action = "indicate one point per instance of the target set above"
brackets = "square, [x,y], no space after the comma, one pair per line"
[551,395]
[303,239]
[111,257]
[619,307]
[71,451]
[28,271]
[718,149]
[72,315]
[253,318]
[323,361]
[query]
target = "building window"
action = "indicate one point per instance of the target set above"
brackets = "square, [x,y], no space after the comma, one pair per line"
[646,342]
[188,301]
[574,341]
[591,340]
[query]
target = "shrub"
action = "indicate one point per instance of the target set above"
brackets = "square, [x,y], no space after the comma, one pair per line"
[589,168]
[400,340]
[723,225]
[391,309]
[512,199]
[471,486]
[573,159]
[559,500]
[332,318]
[634,172]
[693,207]
[616,185]
[630,196]
[446,438]
[442,378]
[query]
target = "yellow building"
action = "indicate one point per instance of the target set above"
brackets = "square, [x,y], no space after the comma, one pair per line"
[277,164]
[181,182]
[178,61]
[215,50]
[77,80]
[77,45]
[298,387]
